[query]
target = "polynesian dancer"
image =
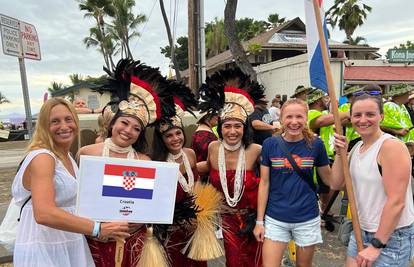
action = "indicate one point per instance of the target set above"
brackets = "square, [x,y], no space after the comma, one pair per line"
[233,160]
[141,91]
[168,145]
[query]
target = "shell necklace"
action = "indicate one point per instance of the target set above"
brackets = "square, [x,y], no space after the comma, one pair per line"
[238,176]
[110,146]
[186,186]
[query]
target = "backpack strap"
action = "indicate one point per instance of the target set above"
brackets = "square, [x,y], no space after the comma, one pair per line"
[306,178]
[30,197]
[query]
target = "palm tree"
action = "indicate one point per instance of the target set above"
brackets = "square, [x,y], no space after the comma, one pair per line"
[98,9]
[3,99]
[216,40]
[348,15]
[55,87]
[170,41]
[275,19]
[124,23]
[76,78]
[355,41]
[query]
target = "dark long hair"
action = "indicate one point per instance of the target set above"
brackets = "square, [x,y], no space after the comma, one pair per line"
[247,138]
[159,150]
[140,145]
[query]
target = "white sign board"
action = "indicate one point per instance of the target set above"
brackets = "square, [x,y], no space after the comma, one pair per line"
[10,36]
[113,189]
[30,41]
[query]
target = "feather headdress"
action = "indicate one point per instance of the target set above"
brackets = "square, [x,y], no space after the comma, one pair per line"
[139,90]
[184,100]
[231,93]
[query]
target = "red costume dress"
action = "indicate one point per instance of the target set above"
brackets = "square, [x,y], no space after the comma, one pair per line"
[201,140]
[179,238]
[104,253]
[241,251]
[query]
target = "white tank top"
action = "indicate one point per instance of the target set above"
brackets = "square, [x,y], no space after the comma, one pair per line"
[369,188]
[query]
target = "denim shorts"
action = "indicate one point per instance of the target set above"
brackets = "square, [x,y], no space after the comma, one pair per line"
[304,234]
[398,252]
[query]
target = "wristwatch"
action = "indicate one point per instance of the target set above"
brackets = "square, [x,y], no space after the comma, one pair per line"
[376,243]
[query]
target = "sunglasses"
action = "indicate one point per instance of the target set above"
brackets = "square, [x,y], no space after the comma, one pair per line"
[363,92]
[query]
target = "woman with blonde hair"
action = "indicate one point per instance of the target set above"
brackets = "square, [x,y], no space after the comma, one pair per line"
[287,203]
[49,234]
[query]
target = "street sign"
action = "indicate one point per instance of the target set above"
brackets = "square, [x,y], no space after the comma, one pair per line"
[30,41]
[400,55]
[10,35]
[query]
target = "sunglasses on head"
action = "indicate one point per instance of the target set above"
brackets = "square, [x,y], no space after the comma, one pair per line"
[363,92]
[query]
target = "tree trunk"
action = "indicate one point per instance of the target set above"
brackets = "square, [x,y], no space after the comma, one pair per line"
[235,45]
[170,40]
[105,55]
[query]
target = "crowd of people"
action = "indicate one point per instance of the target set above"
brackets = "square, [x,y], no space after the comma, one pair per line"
[275,168]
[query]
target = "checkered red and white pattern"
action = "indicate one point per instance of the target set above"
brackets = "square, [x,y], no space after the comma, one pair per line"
[129,182]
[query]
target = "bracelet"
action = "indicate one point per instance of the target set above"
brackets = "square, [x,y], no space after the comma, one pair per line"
[259,222]
[96,229]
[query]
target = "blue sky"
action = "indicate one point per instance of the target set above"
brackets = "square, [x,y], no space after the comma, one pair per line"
[61,28]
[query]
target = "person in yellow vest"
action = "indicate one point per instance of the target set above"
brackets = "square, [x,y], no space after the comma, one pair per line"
[396,117]
[350,133]
[321,122]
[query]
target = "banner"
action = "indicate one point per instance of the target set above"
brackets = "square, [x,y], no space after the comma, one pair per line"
[113,189]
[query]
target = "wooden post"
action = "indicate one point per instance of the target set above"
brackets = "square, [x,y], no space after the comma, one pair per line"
[338,127]
[192,47]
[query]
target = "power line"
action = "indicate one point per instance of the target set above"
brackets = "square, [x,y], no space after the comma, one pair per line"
[145,25]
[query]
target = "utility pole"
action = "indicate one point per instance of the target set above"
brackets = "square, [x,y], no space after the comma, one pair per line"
[194,62]
[202,43]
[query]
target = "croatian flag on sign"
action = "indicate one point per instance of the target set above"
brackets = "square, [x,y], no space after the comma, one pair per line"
[128,181]
[316,67]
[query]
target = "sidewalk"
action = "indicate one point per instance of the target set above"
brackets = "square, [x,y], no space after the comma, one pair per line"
[5,256]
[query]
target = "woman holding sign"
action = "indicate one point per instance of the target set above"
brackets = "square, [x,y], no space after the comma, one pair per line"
[138,87]
[232,161]
[46,186]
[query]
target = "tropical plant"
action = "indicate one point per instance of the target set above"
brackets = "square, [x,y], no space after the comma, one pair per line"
[355,41]
[124,24]
[181,52]
[98,10]
[348,15]
[275,20]
[3,99]
[247,28]
[407,45]
[170,41]
[76,78]
[235,45]
[55,87]
[216,40]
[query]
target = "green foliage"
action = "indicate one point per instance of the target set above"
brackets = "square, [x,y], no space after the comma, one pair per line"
[254,48]
[3,99]
[348,15]
[216,41]
[55,87]
[407,45]
[275,19]
[181,52]
[356,41]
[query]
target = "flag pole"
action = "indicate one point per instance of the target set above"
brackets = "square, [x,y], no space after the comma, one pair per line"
[338,126]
